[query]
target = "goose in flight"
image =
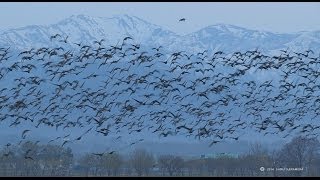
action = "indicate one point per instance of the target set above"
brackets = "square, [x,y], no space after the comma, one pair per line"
[54,36]
[65,40]
[24,133]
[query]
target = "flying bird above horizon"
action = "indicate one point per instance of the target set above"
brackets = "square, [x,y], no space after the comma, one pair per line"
[182,19]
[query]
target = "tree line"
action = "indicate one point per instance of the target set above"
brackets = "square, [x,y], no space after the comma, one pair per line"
[299,157]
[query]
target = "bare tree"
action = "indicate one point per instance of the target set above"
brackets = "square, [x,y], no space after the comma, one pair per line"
[112,163]
[195,167]
[90,164]
[258,157]
[170,163]
[8,162]
[211,166]
[142,161]
[28,154]
[301,152]
[55,159]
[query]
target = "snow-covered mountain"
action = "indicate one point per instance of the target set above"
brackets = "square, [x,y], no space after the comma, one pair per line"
[86,29]
[82,28]
[229,37]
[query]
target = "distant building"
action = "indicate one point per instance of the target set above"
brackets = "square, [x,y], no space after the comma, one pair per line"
[218,155]
[211,155]
[230,155]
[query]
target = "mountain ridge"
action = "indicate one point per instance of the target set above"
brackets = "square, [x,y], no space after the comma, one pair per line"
[215,37]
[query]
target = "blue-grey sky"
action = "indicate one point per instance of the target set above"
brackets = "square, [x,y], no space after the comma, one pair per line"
[276,17]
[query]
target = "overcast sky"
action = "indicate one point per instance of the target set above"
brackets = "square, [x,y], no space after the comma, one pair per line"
[276,17]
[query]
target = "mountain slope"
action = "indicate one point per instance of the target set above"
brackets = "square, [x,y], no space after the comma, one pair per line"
[86,29]
[82,28]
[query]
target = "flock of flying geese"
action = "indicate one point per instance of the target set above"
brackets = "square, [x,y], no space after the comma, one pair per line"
[127,88]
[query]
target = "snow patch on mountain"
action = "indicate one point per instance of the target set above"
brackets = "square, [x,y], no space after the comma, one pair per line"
[86,29]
